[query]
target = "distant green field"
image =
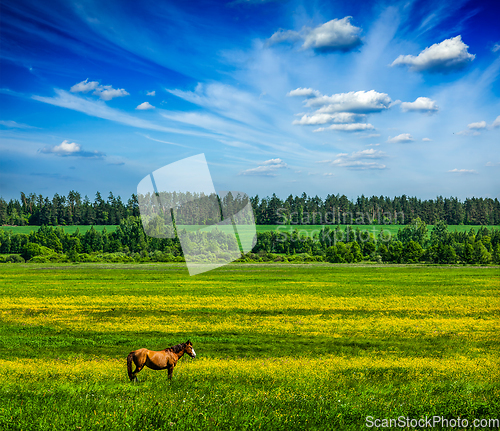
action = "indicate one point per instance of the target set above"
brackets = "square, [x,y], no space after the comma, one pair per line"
[303,229]
[279,347]
[67,229]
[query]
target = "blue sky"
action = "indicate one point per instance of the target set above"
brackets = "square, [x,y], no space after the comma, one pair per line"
[360,97]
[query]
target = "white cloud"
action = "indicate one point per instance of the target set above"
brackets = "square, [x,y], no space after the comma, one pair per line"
[449,55]
[284,36]
[151,93]
[401,139]
[268,168]
[346,110]
[15,125]
[469,133]
[463,171]
[105,92]
[426,139]
[334,35]
[490,164]
[496,47]
[99,109]
[84,86]
[276,163]
[421,104]
[67,148]
[354,101]
[478,125]
[496,123]
[358,160]
[350,127]
[338,117]
[304,92]
[145,106]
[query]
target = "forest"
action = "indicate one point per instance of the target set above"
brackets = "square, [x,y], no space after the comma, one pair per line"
[73,209]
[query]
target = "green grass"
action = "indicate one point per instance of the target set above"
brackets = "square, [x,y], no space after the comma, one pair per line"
[303,229]
[67,229]
[279,347]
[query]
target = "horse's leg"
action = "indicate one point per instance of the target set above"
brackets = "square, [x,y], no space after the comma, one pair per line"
[139,365]
[170,370]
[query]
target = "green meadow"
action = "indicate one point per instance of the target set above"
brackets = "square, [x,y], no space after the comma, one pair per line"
[279,347]
[305,229]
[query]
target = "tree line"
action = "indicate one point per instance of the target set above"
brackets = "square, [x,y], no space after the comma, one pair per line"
[413,243]
[73,209]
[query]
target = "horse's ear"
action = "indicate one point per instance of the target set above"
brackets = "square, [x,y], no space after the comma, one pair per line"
[189,342]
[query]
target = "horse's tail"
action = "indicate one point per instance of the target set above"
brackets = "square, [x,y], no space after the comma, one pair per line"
[130,359]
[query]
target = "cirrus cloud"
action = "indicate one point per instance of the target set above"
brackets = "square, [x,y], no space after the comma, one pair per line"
[267,169]
[462,171]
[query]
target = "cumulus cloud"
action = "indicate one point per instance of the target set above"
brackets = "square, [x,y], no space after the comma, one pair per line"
[105,92]
[477,126]
[421,104]
[67,148]
[350,127]
[401,139]
[84,86]
[267,169]
[338,117]
[449,55]
[360,160]
[151,93]
[463,171]
[335,35]
[355,101]
[145,106]
[426,139]
[347,111]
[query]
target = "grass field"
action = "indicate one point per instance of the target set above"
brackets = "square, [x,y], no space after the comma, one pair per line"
[303,229]
[279,347]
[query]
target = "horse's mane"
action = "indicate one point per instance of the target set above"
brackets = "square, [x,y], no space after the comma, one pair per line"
[177,348]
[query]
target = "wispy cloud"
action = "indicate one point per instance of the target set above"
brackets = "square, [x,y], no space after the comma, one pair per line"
[267,169]
[15,125]
[351,127]
[359,160]
[463,171]
[97,108]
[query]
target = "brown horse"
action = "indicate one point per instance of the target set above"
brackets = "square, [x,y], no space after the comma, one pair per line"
[166,358]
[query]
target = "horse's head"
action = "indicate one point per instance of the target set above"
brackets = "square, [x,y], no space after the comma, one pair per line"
[189,349]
